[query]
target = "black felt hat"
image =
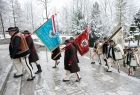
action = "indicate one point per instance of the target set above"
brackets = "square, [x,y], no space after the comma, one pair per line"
[17,29]
[66,41]
[12,29]
[26,32]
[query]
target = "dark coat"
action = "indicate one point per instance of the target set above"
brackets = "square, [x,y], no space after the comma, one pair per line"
[54,53]
[129,58]
[14,47]
[112,52]
[33,57]
[95,45]
[71,59]
[105,45]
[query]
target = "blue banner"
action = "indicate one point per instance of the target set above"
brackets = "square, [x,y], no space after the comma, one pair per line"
[47,36]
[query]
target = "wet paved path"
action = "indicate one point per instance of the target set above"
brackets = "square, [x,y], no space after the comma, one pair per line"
[95,81]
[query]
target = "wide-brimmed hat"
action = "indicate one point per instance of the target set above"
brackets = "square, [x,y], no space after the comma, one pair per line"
[67,41]
[129,49]
[17,29]
[12,29]
[26,32]
[71,38]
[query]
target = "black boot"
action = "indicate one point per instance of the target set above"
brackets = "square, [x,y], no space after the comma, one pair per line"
[39,69]
[54,67]
[105,62]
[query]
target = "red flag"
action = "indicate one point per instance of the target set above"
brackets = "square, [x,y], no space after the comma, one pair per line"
[82,42]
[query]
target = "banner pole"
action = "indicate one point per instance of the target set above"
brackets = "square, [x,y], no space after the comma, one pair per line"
[40,27]
[47,55]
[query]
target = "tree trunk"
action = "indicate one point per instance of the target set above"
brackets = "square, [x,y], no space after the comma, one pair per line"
[138,41]
[2,24]
[32,16]
[13,13]
[46,9]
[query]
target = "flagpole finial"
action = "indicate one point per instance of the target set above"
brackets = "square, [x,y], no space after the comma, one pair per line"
[56,13]
[88,29]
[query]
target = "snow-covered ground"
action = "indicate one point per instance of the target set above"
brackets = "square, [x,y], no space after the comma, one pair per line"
[2,37]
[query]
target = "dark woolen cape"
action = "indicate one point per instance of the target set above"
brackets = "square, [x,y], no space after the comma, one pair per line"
[33,57]
[54,53]
[71,59]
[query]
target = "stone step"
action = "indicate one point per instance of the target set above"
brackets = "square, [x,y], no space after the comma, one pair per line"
[5,66]
[4,77]
[13,85]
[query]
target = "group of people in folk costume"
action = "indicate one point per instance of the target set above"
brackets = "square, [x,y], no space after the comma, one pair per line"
[22,51]
[70,60]
[132,59]
[110,52]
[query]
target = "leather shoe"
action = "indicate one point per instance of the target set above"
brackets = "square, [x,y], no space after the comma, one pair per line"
[66,80]
[108,71]
[92,62]
[39,71]
[31,79]
[78,80]
[17,76]
[54,67]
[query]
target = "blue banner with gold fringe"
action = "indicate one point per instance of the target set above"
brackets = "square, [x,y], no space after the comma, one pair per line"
[46,34]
